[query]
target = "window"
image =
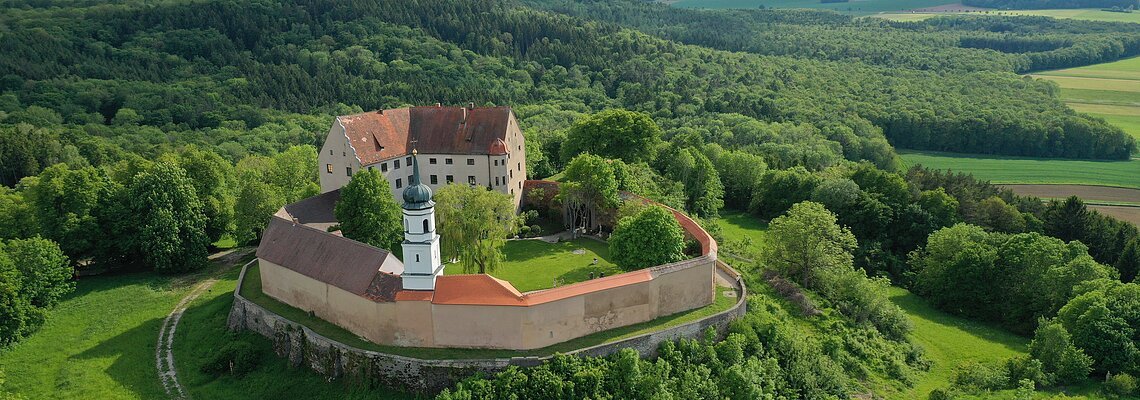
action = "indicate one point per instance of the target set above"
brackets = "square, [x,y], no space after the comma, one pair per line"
[328,167]
[425,226]
[447,161]
[511,173]
[409,179]
[450,179]
[431,161]
[384,167]
[396,164]
[408,160]
[470,161]
[399,183]
[417,258]
[371,167]
[434,180]
[344,154]
[520,166]
[496,181]
[471,180]
[330,152]
[495,162]
[348,171]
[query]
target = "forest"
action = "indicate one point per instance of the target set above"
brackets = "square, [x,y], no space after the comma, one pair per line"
[140,136]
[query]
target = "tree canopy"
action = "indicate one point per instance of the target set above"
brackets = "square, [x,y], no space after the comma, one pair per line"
[629,136]
[474,223]
[650,237]
[367,212]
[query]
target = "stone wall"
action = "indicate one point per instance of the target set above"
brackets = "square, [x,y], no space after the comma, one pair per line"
[303,347]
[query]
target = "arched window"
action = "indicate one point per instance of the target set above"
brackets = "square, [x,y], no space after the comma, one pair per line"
[425,225]
[417,258]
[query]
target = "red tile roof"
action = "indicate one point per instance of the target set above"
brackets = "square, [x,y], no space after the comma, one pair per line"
[486,290]
[381,135]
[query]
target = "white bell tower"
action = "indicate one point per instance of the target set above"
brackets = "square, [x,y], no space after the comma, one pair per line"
[422,263]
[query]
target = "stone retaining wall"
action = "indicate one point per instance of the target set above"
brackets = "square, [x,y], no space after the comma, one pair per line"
[335,360]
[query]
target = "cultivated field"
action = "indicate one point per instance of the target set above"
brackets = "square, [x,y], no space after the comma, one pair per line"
[1121,203]
[1104,194]
[1012,170]
[860,7]
[1110,91]
[921,13]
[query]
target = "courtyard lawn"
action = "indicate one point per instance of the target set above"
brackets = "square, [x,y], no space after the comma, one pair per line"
[535,264]
[1000,169]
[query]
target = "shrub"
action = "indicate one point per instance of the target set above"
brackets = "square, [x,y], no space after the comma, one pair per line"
[237,358]
[974,377]
[1120,384]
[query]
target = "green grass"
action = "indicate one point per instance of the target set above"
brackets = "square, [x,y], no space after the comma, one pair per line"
[736,225]
[854,7]
[1083,14]
[535,264]
[1109,90]
[950,340]
[203,330]
[98,343]
[998,169]
[252,291]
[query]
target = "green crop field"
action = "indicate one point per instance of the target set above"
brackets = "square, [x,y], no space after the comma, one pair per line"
[1084,13]
[535,264]
[999,169]
[853,7]
[1110,91]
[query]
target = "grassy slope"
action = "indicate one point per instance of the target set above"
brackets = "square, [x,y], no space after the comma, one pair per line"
[534,264]
[1000,169]
[86,351]
[203,329]
[950,340]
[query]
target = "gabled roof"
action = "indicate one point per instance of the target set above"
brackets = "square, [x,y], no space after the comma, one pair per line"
[384,134]
[332,259]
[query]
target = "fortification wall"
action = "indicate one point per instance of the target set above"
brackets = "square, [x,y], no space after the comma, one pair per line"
[335,360]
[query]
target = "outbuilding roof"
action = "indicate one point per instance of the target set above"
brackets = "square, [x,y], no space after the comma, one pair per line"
[380,135]
[345,263]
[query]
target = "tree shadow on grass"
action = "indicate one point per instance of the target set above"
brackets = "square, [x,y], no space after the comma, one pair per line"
[133,352]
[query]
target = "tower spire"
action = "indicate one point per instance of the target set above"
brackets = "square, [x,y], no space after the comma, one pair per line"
[415,169]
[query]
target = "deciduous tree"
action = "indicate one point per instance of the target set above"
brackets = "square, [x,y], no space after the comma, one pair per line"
[367,213]
[807,241]
[474,224]
[626,135]
[650,237]
[170,224]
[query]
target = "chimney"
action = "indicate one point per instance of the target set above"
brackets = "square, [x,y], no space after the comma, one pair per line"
[439,104]
[295,221]
[471,104]
[464,120]
[381,111]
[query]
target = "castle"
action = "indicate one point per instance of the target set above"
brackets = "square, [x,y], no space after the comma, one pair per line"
[410,302]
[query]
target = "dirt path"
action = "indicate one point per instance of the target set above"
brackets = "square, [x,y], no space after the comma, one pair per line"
[164,351]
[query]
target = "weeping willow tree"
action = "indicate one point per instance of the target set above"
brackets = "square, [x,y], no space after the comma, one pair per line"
[589,188]
[473,225]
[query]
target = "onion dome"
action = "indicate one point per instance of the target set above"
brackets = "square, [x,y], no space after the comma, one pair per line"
[417,196]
